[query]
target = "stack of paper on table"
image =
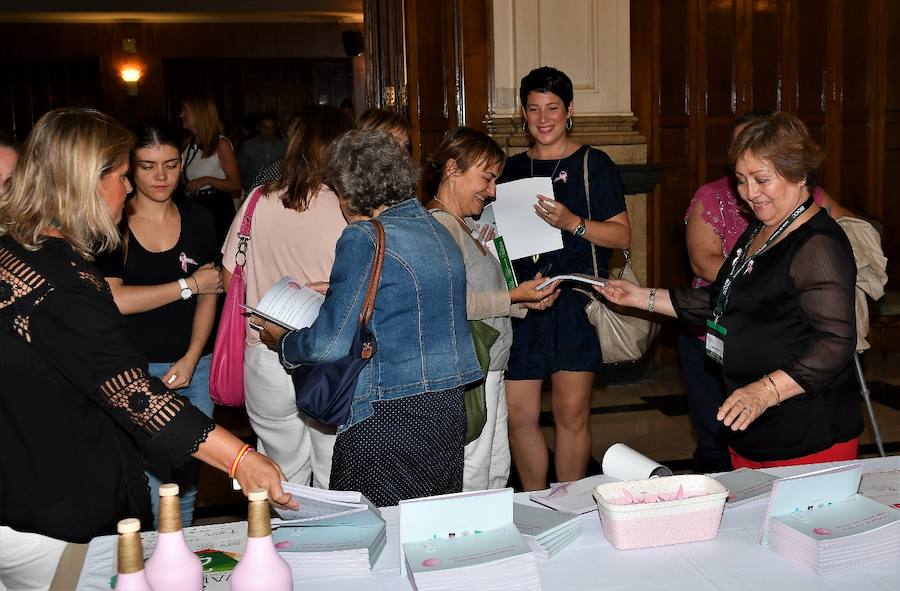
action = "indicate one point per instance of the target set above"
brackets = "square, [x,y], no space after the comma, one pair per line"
[746,486]
[883,487]
[620,462]
[820,521]
[465,541]
[546,531]
[333,533]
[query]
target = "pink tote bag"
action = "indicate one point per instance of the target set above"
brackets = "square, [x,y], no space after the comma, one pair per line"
[226,374]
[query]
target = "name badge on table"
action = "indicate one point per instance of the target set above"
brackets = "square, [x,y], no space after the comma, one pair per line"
[715,341]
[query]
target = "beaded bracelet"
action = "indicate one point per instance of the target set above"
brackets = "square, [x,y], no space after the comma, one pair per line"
[245,449]
[651,299]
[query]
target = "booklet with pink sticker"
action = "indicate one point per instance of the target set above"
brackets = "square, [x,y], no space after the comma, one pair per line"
[819,520]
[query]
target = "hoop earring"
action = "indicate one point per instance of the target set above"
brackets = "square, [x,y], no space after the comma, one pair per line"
[569,124]
[525,127]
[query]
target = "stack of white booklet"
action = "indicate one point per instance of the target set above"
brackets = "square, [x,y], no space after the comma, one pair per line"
[333,533]
[620,462]
[820,521]
[546,531]
[746,486]
[465,541]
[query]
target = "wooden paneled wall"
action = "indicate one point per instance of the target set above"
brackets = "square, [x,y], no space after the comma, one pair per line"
[156,42]
[698,63]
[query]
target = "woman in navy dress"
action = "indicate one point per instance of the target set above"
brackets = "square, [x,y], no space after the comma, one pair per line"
[559,342]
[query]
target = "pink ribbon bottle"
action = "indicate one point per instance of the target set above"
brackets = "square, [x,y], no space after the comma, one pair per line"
[261,568]
[172,565]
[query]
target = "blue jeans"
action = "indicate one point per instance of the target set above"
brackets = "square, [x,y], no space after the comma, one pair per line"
[186,476]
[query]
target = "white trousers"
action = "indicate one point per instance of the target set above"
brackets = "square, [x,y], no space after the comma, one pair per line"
[285,435]
[27,561]
[487,458]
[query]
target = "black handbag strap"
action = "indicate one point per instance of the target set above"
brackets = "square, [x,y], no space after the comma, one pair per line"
[587,198]
[365,315]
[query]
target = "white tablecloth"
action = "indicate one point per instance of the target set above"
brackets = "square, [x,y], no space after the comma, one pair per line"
[734,560]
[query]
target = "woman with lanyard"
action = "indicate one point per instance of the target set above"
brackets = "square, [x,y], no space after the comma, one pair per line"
[780,315]
[559,342]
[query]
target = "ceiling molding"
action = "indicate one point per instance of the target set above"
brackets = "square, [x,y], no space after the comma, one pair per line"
[183,17]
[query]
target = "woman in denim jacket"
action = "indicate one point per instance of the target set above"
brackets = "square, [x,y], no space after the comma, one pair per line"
[404,438]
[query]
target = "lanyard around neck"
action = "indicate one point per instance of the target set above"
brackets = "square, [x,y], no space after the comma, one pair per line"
[743,258]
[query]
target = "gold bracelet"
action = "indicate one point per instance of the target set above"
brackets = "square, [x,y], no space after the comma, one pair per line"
[773,389]
[651,299]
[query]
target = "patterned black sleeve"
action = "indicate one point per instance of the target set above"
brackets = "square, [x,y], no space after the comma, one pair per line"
[77,329]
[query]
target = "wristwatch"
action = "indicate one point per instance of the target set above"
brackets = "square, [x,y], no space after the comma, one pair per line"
[580,229]
[186,292]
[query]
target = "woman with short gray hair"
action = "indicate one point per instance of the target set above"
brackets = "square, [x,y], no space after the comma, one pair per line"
[404,438]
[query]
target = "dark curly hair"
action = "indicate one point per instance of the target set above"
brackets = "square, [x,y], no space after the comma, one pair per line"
[368,169]
[546,79]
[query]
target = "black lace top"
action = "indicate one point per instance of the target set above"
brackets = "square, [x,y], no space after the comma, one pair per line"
[78,410]
[794,311]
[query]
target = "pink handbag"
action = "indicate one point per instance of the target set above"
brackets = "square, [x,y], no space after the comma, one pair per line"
[226,374]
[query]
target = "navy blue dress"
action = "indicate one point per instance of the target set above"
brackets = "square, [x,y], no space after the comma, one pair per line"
[561,338]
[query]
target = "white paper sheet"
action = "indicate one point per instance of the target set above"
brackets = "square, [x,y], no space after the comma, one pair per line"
[524,233]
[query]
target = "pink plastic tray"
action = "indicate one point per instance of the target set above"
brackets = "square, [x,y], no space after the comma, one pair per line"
[646,525]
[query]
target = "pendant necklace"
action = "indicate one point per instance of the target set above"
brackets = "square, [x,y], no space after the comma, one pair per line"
[552,174]
[535,258]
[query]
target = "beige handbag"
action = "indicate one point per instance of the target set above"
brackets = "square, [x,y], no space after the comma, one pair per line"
[625,334]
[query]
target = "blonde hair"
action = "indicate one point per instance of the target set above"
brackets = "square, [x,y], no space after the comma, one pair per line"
[57,181]
[383,120]
[207,127]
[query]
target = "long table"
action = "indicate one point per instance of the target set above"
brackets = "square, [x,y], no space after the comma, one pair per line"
[734,560]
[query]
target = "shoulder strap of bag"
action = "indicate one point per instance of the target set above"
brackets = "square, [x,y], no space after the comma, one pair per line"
[240,256]
[587,197]
[368,308]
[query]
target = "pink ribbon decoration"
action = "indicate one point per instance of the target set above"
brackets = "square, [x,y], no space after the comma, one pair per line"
[563,176]
[184,260]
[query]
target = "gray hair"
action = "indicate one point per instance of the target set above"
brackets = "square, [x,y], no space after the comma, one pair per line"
[368,169]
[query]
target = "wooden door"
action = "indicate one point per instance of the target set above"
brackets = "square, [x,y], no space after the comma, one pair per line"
[431,62]
[709,60]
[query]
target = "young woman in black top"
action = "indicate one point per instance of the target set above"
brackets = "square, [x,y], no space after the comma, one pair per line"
[78,410]
[165,283]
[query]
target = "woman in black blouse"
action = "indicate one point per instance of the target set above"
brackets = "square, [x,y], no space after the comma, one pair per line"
[780,314]
[78,410]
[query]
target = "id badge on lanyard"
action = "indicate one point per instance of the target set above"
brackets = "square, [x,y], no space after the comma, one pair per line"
[715,341]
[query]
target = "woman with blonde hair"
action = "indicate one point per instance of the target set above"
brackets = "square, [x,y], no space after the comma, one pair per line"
[389,122]
[295,227]
[210,166]
[77,405]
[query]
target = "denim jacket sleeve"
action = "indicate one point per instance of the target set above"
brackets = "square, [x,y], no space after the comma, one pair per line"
[330,336]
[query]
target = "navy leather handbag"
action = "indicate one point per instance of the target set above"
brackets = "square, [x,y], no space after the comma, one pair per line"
[325,391]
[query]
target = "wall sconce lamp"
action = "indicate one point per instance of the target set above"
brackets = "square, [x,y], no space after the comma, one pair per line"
[130,75]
